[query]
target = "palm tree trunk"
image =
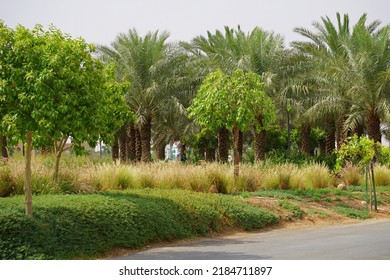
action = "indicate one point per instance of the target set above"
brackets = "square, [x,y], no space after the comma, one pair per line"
[146,137]
[259,139]
[131,143]
[341,135]
[123,144]
[138,148]
[3,144]
[183,156]
[115,147]
[160,151]
[223,145]
[359,130]
[330,137]
[210,154]
[305,139]
[373,123]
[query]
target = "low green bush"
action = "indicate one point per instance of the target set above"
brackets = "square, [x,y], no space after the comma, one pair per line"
[87,226]
[296,210]
[352,212]
[281,194]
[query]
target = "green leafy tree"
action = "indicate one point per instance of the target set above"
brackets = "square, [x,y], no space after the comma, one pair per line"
[55,90]
[357,150]
[232,101]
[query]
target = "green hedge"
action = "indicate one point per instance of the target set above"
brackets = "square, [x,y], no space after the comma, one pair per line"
[87,226]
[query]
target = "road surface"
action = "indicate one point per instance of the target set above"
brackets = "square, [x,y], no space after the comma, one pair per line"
[360,241]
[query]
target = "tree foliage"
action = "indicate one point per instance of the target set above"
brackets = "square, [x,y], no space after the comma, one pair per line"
[54,89]
[233,102]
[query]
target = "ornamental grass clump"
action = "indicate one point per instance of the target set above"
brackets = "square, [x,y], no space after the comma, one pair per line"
[111,177]
[381,175]
[317,176]
[283,177]
[351,175]
[7,182]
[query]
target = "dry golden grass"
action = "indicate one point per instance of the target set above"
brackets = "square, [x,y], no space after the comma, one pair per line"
[81,175]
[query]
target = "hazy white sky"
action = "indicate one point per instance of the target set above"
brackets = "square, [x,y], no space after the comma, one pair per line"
[100,21]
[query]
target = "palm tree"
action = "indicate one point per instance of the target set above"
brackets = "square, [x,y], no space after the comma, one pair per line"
[148,63]
[330,48]
[259,51]
[324,48]
[173,125]
[226,51]
[266,55]
[367,68]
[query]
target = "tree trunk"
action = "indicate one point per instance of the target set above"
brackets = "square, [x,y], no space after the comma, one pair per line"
[59,148]
[115,148]
[27,175]
[183,155]
[341,134]
[359,130]
[57,167]
[259,140]
[240,144]
[288,135]
[122,137]
[330,137]
[373,123]
[210,154]
[138,148]
[131,143]
[236,136]
[305,139]
[146,137]
[160,151]
[4,148]
[223,145]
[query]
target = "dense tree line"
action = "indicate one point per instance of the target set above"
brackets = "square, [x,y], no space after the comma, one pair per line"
[332,84]
[137,93]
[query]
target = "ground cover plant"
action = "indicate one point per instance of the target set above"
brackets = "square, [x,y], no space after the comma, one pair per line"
[85,226]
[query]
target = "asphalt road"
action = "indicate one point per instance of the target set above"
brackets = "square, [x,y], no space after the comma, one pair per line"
[369,240]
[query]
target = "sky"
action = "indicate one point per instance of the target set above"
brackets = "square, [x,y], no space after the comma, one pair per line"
[99,21]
